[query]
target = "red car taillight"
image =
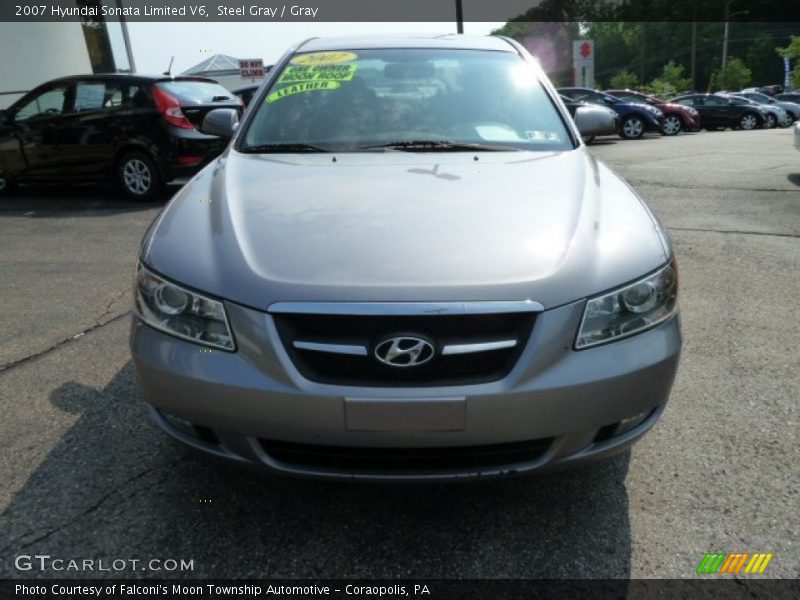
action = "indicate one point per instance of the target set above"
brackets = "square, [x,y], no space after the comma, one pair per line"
[170,109]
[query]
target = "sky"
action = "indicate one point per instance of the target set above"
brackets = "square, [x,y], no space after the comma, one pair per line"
[154,43]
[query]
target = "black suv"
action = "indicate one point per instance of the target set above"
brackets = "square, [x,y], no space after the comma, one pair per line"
[142,131]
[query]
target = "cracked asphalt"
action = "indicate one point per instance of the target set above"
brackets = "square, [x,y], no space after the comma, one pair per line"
[85,475]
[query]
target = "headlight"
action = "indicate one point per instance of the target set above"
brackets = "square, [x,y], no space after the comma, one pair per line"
[630,309]
[181,312]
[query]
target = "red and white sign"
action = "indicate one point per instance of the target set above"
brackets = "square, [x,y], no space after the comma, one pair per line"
[251,68]
[582,50]
[583,63]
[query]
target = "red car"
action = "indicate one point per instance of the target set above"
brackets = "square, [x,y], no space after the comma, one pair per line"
[676,116]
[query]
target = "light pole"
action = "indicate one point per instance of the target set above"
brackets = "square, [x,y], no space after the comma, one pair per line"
[459,17]
[725,31]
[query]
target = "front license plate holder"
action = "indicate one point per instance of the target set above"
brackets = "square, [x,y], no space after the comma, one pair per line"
[405,415]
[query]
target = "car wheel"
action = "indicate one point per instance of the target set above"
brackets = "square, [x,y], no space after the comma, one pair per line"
[6,185]
[139,177]
[588,139]
[770,122]
[672,125]
[632,128]
[748,121]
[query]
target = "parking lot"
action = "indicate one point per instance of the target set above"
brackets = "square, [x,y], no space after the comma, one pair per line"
[87,475]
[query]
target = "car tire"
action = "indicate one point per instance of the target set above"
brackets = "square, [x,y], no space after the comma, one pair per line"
[588,139]
[672,125]
[770,121]
[632,128]
[748,121]
[7,185]
[139,176]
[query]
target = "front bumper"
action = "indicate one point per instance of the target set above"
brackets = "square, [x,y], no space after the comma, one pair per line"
[556,407]
[654,123]
[691,122]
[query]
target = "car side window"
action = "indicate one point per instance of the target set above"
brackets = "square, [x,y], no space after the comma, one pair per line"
[49,103]
[90,95]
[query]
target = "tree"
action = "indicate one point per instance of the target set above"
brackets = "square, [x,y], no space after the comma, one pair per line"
[734,76]
[624,80]
[671,81]
[792,52]
[792,49]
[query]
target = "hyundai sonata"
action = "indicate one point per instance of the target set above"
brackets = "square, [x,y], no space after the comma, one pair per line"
[406,265]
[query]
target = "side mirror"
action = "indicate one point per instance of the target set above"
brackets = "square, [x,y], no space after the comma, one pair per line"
[593,121]
[221,122]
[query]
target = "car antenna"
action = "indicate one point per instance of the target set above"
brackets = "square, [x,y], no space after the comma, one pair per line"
[168,72]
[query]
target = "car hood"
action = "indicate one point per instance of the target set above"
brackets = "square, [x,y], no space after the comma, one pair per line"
[629,107]
[674,106]
[550,227]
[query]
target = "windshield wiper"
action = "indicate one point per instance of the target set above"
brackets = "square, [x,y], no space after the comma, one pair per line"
[279,148]
[440,146]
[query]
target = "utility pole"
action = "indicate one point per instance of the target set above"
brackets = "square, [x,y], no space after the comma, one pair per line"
[126,39]
[693,68]
[725,35]
[725,31]
[459,17]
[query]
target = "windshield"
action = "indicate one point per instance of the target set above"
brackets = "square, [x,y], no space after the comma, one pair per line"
[406,99]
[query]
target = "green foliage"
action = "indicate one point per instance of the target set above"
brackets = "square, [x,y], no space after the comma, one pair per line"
[671,81]
[624,80]
[734,76]
[626,42]
[795,77]
[792,49]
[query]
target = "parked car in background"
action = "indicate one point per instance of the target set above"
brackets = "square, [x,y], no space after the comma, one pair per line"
[791,108]
[635,118]
[245,94]
[774,116]
[789,96]
[769,90]
[140,131]
[718,112]
[677,117]
[414,271]
[612,118]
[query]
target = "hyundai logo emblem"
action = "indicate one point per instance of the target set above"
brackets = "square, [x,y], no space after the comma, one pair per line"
[404,351]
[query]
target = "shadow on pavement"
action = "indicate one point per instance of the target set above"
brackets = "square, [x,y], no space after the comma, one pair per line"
[94,200]
[116,487]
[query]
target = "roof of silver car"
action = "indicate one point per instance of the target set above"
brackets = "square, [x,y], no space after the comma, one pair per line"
[364,42]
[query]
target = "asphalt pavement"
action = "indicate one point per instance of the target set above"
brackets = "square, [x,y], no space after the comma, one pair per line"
[86,475]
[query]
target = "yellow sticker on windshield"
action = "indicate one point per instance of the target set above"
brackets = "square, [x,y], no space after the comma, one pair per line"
[324,58]
[298,88]
[318,73]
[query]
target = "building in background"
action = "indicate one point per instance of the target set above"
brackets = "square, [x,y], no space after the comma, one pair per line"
[225,70]
[35,52]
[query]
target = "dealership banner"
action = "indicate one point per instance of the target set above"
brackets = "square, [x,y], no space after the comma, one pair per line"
[434,589]
[387,10]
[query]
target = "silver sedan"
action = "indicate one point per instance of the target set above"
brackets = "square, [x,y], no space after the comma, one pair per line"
[406,265]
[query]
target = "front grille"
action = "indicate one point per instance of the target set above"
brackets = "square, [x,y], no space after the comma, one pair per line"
[367,331]
[410,460]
